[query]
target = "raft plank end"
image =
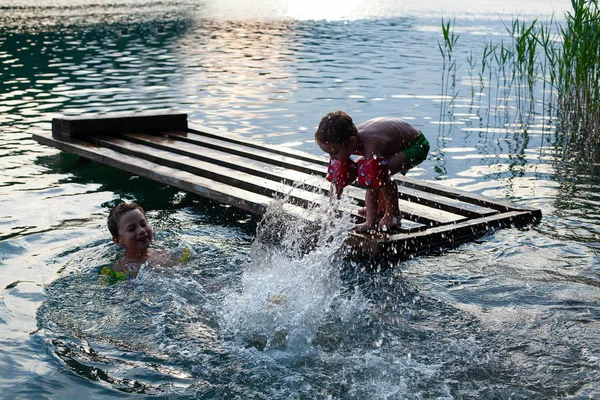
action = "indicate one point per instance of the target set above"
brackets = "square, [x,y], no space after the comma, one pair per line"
[112,124]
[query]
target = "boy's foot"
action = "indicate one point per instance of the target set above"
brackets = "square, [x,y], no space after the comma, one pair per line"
[364,228]
[389,223]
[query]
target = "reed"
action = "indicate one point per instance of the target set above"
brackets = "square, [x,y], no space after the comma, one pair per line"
[563,59]
[449,65]
[504,75]
[577,76]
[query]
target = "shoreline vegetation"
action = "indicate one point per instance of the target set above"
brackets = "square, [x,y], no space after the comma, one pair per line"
[555,66]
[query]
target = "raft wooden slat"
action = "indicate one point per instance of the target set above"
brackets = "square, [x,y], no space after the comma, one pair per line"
[247,174]
[452,205]
[247,181]
[412,211]
[248,201]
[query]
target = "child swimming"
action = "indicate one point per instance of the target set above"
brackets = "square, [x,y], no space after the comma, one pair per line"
[130,229]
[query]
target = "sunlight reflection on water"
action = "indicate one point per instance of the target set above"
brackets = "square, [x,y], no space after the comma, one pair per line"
[516,309]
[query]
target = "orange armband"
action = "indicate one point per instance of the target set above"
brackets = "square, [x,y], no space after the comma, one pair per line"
[341,173]
[373,173]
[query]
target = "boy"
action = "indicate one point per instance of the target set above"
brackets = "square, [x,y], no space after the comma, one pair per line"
[130,229]
[387,145]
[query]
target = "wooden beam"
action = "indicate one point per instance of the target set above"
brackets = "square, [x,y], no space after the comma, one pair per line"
[79,127]
[245,200]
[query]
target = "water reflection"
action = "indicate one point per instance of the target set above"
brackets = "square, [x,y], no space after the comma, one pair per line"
[513,314]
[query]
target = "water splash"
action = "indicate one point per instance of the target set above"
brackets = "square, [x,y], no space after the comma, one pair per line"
[291,281]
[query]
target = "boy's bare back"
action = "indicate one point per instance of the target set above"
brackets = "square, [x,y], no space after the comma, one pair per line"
[385,136]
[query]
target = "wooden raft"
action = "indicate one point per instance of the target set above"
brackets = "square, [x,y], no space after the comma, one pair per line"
[247,175]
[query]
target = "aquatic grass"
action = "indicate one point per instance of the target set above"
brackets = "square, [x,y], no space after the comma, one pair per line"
[578,83]
[488,51]
[449,63]
[472,64]
[563,59]
[503,57]
[524,62]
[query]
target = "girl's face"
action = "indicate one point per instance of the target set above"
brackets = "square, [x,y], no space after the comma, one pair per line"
[135,234]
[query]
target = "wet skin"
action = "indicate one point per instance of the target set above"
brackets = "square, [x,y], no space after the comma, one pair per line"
[386,205]
[382,137]
[135,234]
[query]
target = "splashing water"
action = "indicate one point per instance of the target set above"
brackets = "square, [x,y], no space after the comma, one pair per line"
[292,279]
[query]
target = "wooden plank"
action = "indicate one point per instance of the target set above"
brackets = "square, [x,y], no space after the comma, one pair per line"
[444,203]
[262,155]
[411,211]
[78,127]
[425,194]
[216,191]
[437,238]
[214,172]
[467,197]
[316,166]
[227,137]
[221,156]
[218,173]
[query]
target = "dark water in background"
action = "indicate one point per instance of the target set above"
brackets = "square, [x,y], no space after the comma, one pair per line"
[514,315]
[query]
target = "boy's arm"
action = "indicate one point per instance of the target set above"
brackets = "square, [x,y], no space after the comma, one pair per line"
[340,174]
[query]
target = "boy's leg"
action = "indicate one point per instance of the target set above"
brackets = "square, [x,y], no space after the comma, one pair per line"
[371,197]
[380,207]
[392,216]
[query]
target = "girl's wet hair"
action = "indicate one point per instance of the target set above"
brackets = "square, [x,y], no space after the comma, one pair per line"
[335,127]
[115,215]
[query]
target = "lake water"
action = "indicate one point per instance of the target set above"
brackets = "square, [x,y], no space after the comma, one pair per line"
[512,315]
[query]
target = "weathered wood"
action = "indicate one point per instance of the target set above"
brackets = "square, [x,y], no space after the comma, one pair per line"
[248,201]
[78,127]
[248,175]
[411,211]
[438,238]
[228,137]
[269,185]
[467,197]
[267,156]
[457,202]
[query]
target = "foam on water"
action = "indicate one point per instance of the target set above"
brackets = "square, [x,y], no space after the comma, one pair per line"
[291,281]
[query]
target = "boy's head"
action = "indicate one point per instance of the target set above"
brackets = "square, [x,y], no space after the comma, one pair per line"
[337,135]
[129,228]
[335,128]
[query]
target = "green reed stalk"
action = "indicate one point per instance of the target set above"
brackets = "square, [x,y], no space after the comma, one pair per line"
[566,59]
[486,57]
[504,57]
[449,64]
[578,81]
[526,61]
[548,66]
[472,64]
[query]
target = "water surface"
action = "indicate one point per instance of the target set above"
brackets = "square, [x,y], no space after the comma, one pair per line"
[512,315]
